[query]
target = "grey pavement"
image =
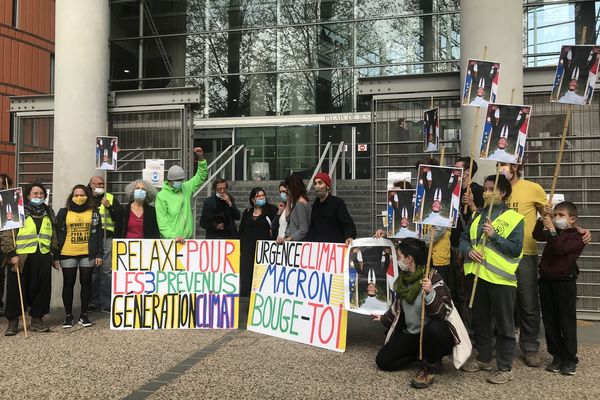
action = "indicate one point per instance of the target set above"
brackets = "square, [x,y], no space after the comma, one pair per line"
[96,362]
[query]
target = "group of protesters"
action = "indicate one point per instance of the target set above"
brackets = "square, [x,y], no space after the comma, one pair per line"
[512,282]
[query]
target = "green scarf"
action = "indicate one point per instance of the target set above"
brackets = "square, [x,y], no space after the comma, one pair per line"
[408,284]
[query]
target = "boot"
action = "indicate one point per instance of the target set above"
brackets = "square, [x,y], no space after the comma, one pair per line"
[38,325]
[13,327]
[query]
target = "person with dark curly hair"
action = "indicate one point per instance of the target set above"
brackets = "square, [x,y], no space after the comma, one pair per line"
[403,319]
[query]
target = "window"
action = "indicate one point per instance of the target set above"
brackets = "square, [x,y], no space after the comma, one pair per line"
[15,13]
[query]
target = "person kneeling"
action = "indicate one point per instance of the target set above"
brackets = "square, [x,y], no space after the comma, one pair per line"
[403,319]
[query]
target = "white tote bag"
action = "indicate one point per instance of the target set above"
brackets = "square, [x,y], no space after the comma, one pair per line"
[462,351]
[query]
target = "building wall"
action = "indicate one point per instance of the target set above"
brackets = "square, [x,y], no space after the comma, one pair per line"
[26,49]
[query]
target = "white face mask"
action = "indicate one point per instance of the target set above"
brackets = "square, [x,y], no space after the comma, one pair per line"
[99,191]
[561,223]
[402,266]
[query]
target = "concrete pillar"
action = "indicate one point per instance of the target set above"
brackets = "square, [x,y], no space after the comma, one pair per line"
[499,26]
[80,100]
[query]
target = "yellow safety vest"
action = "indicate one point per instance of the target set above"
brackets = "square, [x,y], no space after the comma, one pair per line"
[28,239]
[496,267]
[107,222]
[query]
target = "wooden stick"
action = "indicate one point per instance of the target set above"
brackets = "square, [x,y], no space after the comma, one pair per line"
[563,139]
[18,272]
[473,141]
[442,154]
[473,137]
[512,95]
[431,103]
[432,233]
[484,240]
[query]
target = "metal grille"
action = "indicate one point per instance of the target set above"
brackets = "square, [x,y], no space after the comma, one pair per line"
[35,142]
[398,149]
[144,135]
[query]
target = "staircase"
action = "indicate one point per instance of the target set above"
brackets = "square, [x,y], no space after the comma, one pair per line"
[356,194]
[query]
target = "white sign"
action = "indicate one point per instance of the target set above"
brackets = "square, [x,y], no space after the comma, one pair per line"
[154,172]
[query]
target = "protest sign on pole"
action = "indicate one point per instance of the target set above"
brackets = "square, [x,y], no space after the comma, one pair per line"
[298,293]
[12,211]
[371,271]
[160,284]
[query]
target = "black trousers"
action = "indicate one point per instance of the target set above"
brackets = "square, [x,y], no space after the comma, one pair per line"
[558,302]
[403,348]
[460,286]
[494,304]
[36,282]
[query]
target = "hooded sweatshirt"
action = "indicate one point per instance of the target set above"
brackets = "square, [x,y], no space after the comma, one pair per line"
[173,207]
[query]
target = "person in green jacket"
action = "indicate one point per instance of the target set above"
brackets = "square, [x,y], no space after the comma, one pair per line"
[173,202]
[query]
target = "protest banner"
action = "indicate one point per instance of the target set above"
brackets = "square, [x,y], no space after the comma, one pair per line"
[160,284]
[370,275]
[298,293]
[576,75]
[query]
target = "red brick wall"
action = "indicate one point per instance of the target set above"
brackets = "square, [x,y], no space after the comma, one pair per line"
[25,54]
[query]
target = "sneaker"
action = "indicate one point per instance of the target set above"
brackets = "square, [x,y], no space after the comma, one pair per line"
[568,368]
[68,321]
[554,366]
[85,321]
[501,376]
[423,379]
[532,359]
[475,365]
[38,325]
[13,327]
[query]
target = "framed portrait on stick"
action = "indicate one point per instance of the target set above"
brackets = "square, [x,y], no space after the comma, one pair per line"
[481,83]
[576,75]
[505,133]
[438,196]
[12,211]
[370,275]
[106,152]
[431,130]
[401,204]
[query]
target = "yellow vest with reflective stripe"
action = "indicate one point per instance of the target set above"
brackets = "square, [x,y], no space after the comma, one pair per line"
[28,240]
[496,268]
[107,222]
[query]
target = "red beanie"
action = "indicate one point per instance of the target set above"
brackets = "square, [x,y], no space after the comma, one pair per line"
[324,177]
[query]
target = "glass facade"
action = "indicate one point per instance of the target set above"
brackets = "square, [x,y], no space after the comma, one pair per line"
[278,57]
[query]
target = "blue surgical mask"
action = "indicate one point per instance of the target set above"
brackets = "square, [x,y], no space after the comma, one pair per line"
[177,185]
[139,194]
[283,196]
[261,202]
[37,201]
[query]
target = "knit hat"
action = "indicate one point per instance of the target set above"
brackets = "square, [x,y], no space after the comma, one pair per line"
[175,173]
[324,177]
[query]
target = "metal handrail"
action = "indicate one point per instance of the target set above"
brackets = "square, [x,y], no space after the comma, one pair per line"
[318,167]
[332,166]
[210,178]
[219,156]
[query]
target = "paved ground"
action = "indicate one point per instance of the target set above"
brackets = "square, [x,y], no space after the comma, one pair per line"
[98,363]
